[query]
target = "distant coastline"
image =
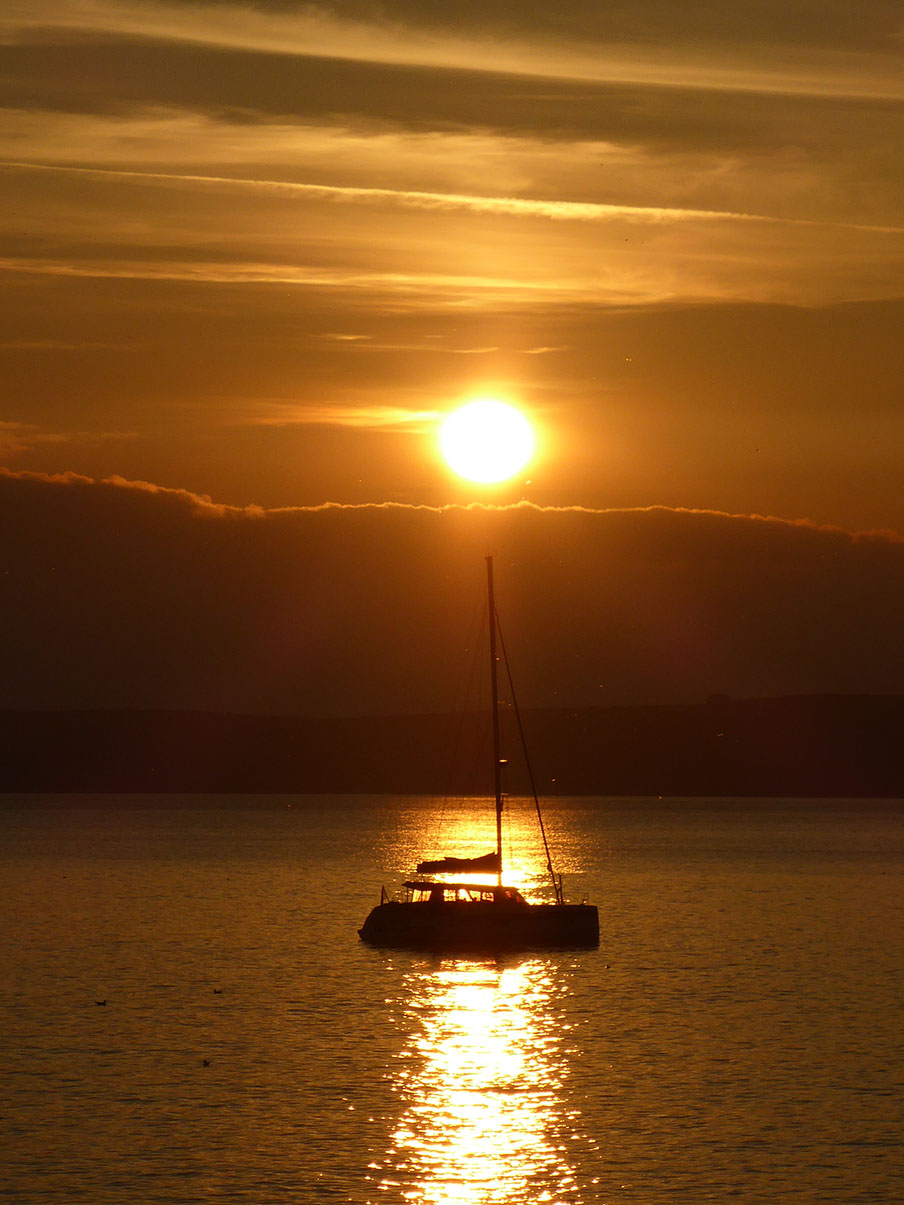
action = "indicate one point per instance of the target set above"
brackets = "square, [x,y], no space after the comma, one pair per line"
[799,746]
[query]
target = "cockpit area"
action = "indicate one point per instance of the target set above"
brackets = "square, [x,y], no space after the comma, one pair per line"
[427,891]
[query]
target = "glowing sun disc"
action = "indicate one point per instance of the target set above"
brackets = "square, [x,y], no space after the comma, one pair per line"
[486,441]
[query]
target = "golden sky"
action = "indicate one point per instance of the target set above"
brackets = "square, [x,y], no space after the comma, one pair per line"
[254,252]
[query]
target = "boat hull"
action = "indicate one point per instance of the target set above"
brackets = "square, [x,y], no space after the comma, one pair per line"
[481,927]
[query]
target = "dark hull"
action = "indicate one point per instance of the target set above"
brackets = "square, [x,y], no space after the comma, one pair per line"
[481,927]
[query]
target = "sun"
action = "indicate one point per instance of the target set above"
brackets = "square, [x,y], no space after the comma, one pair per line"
[486,441]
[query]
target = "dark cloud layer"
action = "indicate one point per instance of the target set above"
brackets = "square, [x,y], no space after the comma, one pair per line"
[117,595]
[127,75]
[807,22]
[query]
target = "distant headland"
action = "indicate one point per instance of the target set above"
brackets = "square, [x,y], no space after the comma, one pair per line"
[804,746]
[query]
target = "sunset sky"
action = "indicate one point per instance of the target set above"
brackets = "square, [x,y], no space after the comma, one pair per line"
[255,253]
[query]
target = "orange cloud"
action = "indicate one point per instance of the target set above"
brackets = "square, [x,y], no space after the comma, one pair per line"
[202,504]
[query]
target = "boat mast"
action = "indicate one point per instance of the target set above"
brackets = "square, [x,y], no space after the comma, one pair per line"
[494,687]
[556,879]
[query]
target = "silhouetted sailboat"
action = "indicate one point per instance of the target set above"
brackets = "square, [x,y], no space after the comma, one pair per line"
[436,914]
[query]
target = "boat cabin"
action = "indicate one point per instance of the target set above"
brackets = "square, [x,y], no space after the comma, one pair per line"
[429,891]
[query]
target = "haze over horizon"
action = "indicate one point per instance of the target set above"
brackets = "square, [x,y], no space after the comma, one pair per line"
[120,595]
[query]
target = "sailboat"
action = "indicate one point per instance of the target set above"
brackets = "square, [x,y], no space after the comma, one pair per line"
[489,916]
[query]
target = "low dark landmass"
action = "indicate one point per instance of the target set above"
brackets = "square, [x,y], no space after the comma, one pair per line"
[816,746]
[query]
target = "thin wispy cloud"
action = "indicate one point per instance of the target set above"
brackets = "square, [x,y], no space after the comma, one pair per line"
[316,30]
[282,274]
[481,204]
[58,345]
[13,437]
[364,343]
[17,438]
[509,206]
[369,417]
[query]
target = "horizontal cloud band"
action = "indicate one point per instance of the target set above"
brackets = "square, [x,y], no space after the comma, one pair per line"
[128,594]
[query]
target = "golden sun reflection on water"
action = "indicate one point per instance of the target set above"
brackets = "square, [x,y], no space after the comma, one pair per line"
[479,1079]
[465,828]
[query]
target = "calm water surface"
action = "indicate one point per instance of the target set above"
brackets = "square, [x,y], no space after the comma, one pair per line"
[738,1036]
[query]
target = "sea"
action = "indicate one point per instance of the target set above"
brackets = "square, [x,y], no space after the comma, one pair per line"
[187,1013]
